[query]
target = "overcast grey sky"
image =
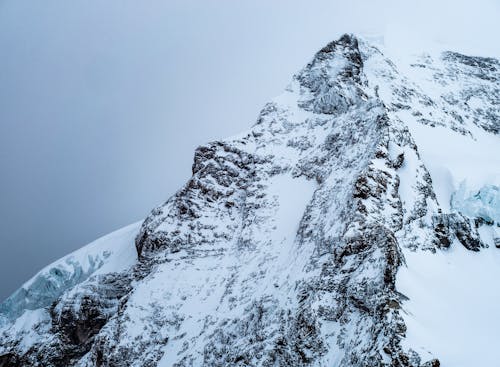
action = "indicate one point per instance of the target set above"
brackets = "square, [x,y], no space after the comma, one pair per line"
[103,102]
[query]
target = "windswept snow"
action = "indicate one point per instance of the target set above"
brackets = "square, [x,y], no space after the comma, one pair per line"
[111,253]
[259,273]
[452,158]
[454,306]
[292,196]
[454,295]
[355,224]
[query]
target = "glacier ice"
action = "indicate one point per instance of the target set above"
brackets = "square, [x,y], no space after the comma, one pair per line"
[483,203]
[112,252]
[283,247]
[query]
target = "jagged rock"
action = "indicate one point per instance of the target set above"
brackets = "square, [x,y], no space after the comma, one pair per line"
[283,247]
[432,363]
[10,360]
[454,225]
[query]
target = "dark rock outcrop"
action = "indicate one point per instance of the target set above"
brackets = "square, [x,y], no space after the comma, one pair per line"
[283,247]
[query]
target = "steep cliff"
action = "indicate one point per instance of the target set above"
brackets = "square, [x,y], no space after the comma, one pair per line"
[297,242]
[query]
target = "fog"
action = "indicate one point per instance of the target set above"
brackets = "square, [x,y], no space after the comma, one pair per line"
[102,103]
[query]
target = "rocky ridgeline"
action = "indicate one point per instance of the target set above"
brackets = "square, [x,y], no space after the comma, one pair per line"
[221,280]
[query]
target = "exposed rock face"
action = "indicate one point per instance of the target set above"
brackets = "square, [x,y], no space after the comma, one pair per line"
[283,247]
[455,225]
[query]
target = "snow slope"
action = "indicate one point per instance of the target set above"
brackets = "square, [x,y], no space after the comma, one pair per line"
[453,305]
[453,308]
[354,224]
[112,253]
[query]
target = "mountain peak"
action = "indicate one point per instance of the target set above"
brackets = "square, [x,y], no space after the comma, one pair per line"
[347,40]
[289,243]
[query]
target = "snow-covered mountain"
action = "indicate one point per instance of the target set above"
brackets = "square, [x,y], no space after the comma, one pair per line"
[355,224]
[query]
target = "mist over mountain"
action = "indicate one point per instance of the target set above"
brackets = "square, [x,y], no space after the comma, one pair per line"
[356,223]
[103,102]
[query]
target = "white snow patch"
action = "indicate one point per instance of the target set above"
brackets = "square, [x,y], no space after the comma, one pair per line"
[452,158]
[454,304]
[407,175]
[293,194]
